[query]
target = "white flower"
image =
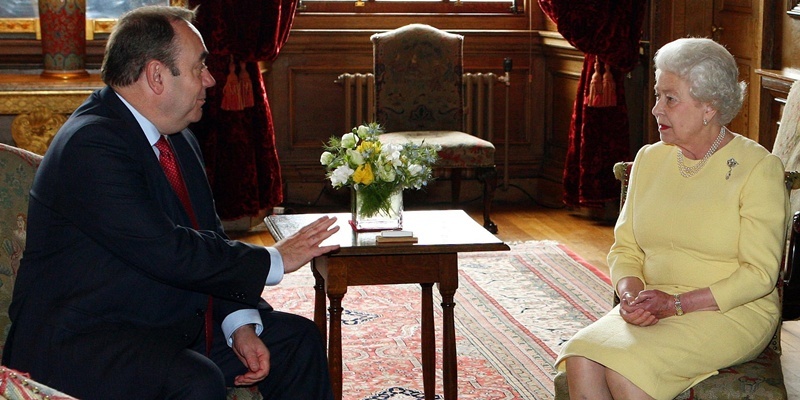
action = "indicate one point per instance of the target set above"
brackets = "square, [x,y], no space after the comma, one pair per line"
[362,131]
[356,158]
[387,173]
[359,159]
[341,175]
[391,152]
[349,141]
[326,158]
[414,169]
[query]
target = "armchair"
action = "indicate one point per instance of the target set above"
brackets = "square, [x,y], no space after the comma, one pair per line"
[419,97]
[17,169]
[761,378]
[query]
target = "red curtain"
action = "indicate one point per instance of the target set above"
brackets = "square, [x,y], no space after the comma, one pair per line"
[608,31]
[236,132]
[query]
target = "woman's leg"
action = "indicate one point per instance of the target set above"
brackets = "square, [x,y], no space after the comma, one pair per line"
[586,379]
[622,388]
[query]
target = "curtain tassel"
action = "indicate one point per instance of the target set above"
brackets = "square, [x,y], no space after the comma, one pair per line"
[246,85]
[609,89]
[595,85]
[602,89]
[232,93]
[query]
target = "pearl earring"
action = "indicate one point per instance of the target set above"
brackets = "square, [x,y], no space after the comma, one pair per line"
[705,121]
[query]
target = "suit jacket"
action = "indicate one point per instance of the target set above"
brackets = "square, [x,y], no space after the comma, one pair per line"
[113,279]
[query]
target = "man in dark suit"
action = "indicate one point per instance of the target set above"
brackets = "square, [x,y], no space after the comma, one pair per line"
[111,295]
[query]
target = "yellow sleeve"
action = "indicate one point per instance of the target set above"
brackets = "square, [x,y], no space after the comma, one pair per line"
[625,259]
[763,213]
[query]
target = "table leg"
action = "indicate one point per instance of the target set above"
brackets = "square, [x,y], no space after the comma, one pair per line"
[335,345]
[447,288]
[320,317]
[428,342]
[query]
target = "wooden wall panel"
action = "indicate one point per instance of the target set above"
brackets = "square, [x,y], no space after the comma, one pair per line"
[307,104]
[317,110]
[562,75]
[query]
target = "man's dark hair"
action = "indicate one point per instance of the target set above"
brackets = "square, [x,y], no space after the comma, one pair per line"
[142,35]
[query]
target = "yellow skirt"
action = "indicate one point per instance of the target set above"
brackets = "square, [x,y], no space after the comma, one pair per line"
[675,354]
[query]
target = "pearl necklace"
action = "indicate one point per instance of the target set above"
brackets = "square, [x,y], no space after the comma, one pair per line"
[688,172]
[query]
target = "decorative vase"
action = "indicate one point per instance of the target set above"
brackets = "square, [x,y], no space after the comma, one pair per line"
[367,217]
[63,26]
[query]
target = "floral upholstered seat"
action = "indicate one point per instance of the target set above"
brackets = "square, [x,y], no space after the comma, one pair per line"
[419,97]
[17,169]
[457,150]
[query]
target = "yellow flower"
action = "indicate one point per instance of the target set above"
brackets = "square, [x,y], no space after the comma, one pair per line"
[363,175]
[367,146]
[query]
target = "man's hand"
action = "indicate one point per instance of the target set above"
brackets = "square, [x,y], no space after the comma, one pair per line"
[297,250]
[252,352]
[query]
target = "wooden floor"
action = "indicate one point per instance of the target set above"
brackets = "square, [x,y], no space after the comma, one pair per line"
[588,236]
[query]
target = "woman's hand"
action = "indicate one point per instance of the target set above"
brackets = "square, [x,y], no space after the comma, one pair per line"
[657,303]
[635,314]
[629,289]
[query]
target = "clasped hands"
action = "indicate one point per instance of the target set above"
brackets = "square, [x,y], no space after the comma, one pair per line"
[647,308]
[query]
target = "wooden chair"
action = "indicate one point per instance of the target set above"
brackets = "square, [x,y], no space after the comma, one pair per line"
[419,98]
[761,378]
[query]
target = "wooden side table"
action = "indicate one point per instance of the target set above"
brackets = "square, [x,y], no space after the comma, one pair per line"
[360,261]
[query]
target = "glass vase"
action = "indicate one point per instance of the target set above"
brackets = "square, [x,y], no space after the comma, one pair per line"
[386,217]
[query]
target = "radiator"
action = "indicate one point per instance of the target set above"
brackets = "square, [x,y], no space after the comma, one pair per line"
[359,101]
[479,104]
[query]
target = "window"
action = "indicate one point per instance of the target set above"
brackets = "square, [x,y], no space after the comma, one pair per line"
[18,18]
[411,6]
[794,9]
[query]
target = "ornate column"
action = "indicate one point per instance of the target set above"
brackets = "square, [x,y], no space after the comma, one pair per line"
[63,27]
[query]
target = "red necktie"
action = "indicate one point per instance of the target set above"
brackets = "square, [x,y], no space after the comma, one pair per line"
[170,166]
[173,172]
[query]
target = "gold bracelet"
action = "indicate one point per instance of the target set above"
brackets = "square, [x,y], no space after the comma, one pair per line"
[678,308]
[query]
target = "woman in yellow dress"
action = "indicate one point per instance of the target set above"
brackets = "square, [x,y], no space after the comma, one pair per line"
[697,244]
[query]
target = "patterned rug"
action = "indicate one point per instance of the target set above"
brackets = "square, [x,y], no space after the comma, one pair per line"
[513,312]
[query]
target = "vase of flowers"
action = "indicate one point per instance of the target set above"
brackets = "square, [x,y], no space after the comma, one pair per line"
[372,211]
[376,173]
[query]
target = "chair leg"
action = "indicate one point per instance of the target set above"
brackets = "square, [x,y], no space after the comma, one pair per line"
[489,178]
[455,186]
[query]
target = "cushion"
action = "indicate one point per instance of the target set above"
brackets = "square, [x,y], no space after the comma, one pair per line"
[244,393]
[15,385]
[458,149]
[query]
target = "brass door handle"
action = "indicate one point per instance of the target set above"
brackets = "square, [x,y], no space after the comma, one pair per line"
[716,32]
